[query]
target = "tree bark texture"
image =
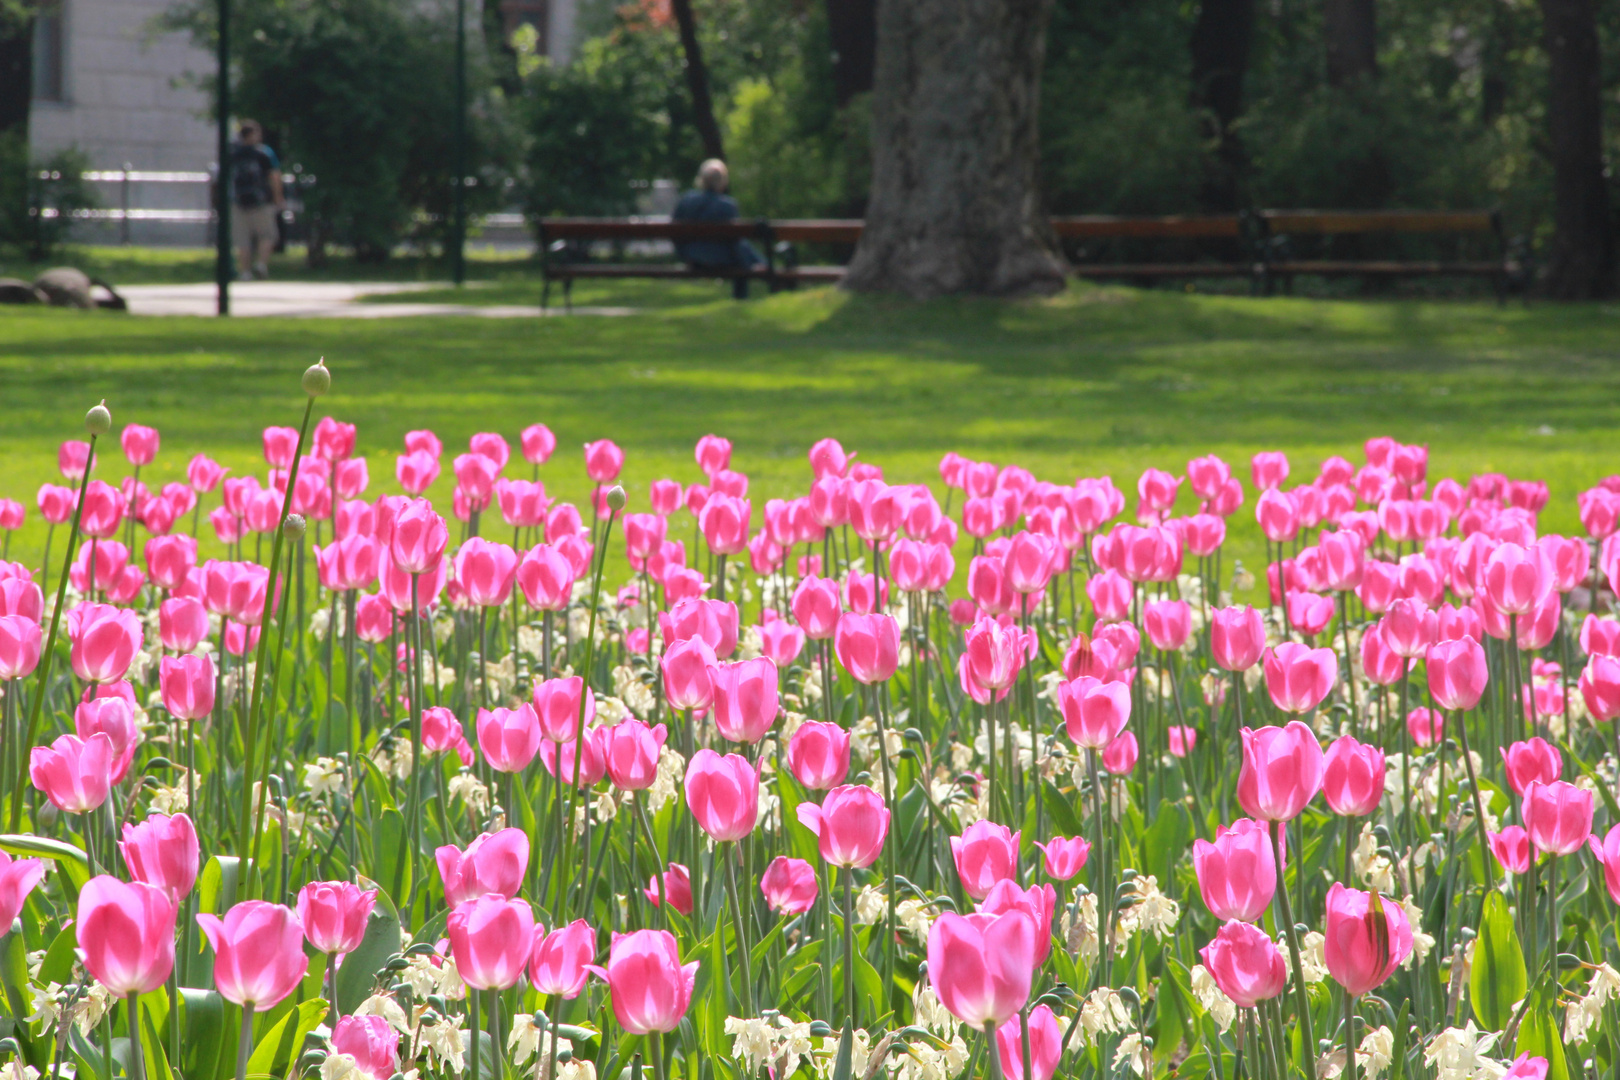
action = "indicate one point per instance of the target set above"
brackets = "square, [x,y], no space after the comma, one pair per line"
[1351,30]
[1222,38]
[16,69]
[852,28]
[956,204]
[697,81]
[1581,263]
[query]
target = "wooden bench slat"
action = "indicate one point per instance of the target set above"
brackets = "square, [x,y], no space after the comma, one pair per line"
[1191,226]
[1137,270]
[651,270]
[619,229]
[818,231]
[1329,267]
[1334,222]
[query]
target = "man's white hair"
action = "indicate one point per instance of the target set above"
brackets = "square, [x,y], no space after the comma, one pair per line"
[712,175]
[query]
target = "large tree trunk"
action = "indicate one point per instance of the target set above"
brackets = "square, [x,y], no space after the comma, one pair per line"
[1221,41]
[1581,266]
[697,81]
[852,29]
[16,69]
[1351,30]
[956,204]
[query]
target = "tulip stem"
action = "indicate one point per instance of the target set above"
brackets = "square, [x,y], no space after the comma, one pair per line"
[1293,951]
[494,1034]
[658,860]
[992,1052]
[579,723]
[48,653]
[244,1042]
[137,1066]
[1104,891]
[472,1029]
[847,874]
[1349,1036]
[1479,807]
[737,926]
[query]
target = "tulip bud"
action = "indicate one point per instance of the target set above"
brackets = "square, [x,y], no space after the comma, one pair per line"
[293,528]
[317,380]
[615,498]
[98,421]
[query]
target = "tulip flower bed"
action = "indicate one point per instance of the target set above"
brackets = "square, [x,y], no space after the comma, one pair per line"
[397,788]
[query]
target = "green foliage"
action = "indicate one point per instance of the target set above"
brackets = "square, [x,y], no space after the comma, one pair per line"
[1497,982]
[38,196]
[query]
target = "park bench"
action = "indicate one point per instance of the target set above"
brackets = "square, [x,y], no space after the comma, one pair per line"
[566,243]
[1261,246]
[1283,232]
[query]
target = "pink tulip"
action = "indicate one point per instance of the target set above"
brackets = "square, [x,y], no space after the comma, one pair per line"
[676,889]
[538,444]
[1360,954]
[726,522]
[1457,673]
[491,939]
[1278,515]
[104,641]
[1237,874]
[723,794]
[603,460]
[650,988]
[1245,963]
[1527,762]
[1353,777]
[556,708]
[1281,773]
[492,863]
[334,915]
[509,738]
[1606,851]
[1511,847]
[1168,623]
[633,749]
[419,540]
[1426,726]
[1038,902]
[985,853]
[818,755]
[1299,677]
[74,773]
[560,963]
[1525,1067]
[559,758]
[688,668]
[781,642]
[850,825]
[1065,858]
[1600,687]
[1045,1046]
[1237,637]
[371,1042]
[111,715]
[868,646]
[1558,816]
[789,886]
[162,851]
[18,877]
[187,683]
[125,934]
[1269,469]
[1514,578]
[258,953]
[713,621]
[1119,756]
[546,577]
[746,700]
[993,653]
[486,571]
[20,644]
[982,965]
[1094,712]
[1183,740]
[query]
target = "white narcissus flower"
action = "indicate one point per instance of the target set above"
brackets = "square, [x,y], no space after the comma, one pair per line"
[323,776]
[1463,1054]
[1220,1007]
[752,1041]
[1132,1049]
[870,906]
[16,1070]
[386,1007]
[341,1067]
[1421,942]
[1376,1051]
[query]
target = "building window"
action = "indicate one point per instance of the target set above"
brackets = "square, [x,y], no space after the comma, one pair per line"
[517,13]
[49,49]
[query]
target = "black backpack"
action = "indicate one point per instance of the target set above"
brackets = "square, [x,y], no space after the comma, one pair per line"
[250,177]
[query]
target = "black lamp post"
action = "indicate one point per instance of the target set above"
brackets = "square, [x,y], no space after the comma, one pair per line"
[222,231]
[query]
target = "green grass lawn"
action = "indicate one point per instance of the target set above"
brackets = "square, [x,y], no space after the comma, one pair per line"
[1099,380]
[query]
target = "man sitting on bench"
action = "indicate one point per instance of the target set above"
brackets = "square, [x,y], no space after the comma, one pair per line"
[709,202]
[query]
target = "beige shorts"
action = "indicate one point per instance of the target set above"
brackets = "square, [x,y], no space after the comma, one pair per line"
[255,226]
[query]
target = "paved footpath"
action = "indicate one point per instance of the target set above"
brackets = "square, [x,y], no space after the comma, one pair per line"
[323,300]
